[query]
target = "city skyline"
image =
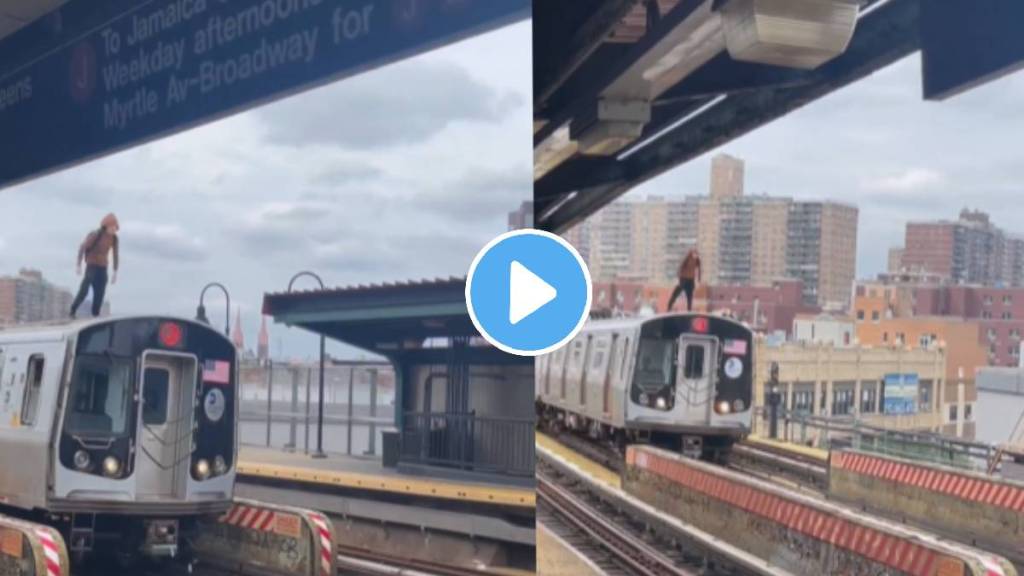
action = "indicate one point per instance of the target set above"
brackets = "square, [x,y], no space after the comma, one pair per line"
[876,143]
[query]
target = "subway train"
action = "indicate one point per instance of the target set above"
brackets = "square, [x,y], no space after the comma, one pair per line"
[681,381]
[120,432]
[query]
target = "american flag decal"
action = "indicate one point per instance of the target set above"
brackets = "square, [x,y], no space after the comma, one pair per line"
[216,372]
[735,347]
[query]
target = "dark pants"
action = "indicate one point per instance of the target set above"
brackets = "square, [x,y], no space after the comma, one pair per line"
[685,285]
[96,277]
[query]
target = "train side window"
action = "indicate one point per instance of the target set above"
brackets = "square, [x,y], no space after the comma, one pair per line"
[156,382]
[625,358]
[694,367]
[30,398]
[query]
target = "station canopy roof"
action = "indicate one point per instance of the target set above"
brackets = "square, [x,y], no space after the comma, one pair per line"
[386,319]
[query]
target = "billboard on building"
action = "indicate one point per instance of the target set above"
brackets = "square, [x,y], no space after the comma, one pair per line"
[900,394]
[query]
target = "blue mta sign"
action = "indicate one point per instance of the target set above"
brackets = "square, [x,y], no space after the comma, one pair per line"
[98,76]
[900,393]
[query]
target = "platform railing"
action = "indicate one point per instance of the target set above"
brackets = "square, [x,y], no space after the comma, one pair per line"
[487,444]
[849,432]
[358,408]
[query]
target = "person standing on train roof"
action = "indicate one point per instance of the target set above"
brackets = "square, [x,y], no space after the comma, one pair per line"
[689,276]
[95,250]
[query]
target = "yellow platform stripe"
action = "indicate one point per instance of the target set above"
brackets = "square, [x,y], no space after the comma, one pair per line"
[519,497]
[593,469]
[815,453]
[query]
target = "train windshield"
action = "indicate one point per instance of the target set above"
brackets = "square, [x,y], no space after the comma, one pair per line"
[100,397]
[656,364]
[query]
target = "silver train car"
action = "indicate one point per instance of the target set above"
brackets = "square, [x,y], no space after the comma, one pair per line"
[684,381]
[119,432]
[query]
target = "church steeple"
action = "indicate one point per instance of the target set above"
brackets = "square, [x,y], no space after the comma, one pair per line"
[236,335]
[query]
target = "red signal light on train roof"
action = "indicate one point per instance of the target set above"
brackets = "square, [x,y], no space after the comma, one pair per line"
[170,334]
[699,324]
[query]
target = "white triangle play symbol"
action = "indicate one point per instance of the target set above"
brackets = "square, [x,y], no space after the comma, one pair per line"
[527,292]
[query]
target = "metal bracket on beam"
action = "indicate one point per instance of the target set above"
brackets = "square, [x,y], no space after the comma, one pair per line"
[609,126]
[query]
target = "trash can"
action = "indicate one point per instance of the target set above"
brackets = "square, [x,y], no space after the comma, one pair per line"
[390,448]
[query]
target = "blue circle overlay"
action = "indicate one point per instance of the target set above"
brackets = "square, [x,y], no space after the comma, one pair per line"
[554,261]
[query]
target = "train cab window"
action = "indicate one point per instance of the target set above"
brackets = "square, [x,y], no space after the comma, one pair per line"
[155,383]
[100,397]
[654,369]
[694,362]
[33,385]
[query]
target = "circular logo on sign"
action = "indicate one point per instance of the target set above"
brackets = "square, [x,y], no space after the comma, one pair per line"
[83,72]
[733,368]
[214,405]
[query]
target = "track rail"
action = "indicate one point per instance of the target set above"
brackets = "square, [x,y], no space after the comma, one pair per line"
[774,465]
[628,548]
[631,536]
[354,560]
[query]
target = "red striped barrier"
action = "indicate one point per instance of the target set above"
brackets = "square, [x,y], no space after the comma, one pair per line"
[269,539]
[851,543]
[29,549]
[986,509]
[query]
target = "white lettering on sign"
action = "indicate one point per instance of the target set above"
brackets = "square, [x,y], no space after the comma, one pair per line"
[163,56]
[351,24]
[267,56]
[145,27]
[155,47]
[118,113]
[16,93]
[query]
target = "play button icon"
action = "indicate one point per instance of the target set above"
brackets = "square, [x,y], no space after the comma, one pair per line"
[528,292]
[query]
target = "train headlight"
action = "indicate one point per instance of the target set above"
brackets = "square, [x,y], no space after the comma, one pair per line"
[660,402]
[643,398]
[202,469]
[220,467]
[111,467]
[738,406]
[82,460]
[722,407]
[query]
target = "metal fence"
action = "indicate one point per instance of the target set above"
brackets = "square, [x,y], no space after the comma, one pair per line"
[279,407]
[469,442]
[849,432]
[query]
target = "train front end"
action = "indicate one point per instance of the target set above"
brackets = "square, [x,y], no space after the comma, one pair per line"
[147,441]
[694,381]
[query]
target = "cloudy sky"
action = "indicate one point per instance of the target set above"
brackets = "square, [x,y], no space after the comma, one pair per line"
[879,145]
[400,173]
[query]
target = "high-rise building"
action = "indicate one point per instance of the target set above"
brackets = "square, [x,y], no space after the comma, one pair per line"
[742,240]
[521,218]
[970,250]
[28,297]
[821,251]
[895,260]
[263,348]
[726,177]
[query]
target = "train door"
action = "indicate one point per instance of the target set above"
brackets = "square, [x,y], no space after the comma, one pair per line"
[167,408]
[694,377]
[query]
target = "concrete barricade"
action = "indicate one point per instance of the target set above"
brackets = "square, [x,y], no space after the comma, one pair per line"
[798,533]
[28,549]
[267,539]
[985,510]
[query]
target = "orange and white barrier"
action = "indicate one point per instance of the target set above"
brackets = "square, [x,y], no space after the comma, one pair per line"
[29,549]
[257,537]
[986,509]
[799,533]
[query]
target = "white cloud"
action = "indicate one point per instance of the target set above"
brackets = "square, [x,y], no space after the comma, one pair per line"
[911,180]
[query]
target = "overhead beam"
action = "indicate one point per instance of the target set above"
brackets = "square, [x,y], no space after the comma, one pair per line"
[886,35]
